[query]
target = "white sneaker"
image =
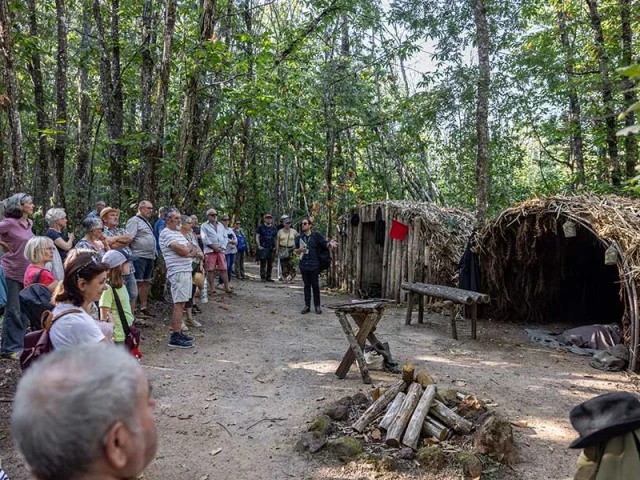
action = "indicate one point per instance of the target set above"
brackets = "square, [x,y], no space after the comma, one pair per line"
[184,328]
[191,322]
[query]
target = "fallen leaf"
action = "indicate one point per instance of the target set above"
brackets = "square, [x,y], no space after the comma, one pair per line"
[204,477]
[376,434]
[167,377]
[520,423]
[184,417]
[216,451]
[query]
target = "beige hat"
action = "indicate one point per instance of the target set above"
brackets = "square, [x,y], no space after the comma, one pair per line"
[198,279]
[106,210]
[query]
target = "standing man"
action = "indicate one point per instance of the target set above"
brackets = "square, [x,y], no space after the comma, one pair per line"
[143,246]
[100,204]
[178,255]
[307,245]
[214,237]
[266,240]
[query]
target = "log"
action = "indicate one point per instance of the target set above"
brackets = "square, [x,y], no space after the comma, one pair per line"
[366,327]
[378,406]
[391,411]
[408,371]
[412,435]
[410,300]
[404,415]
[433,428]
[457,295]
[450,418]
[355,347]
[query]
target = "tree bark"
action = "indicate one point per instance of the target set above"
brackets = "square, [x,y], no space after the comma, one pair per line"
[607,92]
[414,429]
[391,412]
[60,149]
[378,406]
[146,83]
[402,418]
[576,156]
[482,112]
[11,81]
[41,183]
[630,97]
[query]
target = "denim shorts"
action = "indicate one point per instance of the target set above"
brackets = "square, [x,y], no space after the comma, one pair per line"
[144,269]
[132,287]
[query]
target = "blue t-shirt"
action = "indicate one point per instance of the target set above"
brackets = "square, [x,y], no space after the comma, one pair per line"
[157,228]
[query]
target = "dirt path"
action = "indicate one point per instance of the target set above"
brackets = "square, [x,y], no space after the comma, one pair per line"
[262,371]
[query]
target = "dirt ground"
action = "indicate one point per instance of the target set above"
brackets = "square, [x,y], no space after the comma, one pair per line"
[261,372]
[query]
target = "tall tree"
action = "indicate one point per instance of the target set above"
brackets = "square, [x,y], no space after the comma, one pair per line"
[630,97]
[482,111]
[60,149]
[12,98]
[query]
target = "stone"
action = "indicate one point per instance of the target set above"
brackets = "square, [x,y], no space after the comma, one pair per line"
[448,396]
[405,453]
[345,448]
[322,425]
[495,438]
[311,442]
[471,465]
[424,379]
[386,464]
[431,458]
[337,412]
[361,399]
[346,401]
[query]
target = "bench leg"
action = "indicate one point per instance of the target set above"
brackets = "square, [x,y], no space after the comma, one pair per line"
[355,347]
[367,324]
[474,319]
[407,320]
[454,329]
[421,309]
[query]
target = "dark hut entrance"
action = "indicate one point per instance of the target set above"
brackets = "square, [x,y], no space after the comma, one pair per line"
[372,254]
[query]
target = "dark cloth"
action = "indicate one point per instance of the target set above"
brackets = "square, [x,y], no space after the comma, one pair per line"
[266,263]
[13,327]
[380,227]
[311,280]
[196,232]
[143,269]
[53,235]
[309,260]
[469,269]
[596,336]
[267,236]
[239,264]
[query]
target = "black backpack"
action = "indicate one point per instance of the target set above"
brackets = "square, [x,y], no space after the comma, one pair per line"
[34,301]
[324,256]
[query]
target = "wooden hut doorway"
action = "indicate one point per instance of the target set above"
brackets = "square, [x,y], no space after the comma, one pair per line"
[371,261]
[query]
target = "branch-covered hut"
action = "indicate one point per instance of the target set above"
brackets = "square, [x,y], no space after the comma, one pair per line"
[370,264]
[567,259]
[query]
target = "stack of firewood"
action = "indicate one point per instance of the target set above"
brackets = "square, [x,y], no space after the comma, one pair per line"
[412,411]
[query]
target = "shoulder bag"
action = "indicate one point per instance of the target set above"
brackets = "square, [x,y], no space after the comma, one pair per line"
[131,333]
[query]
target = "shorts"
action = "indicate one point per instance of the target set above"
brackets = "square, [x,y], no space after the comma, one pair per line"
[132,287]
[144,269]
[181,285]
[215,261]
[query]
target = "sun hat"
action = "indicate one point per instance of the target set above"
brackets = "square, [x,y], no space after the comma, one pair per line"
[606,416]
[106,210]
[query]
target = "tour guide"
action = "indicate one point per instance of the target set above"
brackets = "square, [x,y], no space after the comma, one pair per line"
[307,244]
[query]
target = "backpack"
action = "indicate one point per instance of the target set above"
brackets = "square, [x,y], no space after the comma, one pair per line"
[38,343]
[324,256]
[35,300]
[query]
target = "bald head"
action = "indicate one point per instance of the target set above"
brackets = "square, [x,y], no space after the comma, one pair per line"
[145,208]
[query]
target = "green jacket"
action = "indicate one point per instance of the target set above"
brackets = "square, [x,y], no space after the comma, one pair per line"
[618,459]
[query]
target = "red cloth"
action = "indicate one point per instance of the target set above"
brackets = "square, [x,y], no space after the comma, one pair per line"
[398,230]
[46,277]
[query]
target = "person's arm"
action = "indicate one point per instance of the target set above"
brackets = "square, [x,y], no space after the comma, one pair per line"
[5,246]
[187,250]
[106,315]
[60,243]
[258,239]
[277,243]
[119,241]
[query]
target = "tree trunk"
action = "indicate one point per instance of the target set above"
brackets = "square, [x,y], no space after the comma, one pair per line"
[153,150]
[575,123]
[607,94]
[482,112]
[41,169]
[630,97]
[115,125]
[60,149]
[146,84]
[11,81]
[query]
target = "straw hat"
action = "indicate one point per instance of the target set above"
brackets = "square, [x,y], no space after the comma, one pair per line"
[198,280]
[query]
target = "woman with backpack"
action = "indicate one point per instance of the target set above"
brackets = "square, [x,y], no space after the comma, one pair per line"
[308,245]
[114,302]
[39,251]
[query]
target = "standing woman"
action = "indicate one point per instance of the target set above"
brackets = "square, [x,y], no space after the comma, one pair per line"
[285,243]
[232,246]
[15,232]
[242,250]
[56,219]
[93,236]
[307,244]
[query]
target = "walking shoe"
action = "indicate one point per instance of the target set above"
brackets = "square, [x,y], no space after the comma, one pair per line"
[186,337]
[141,322]
[196,309]
[305,310]
[270,280]
[319,310]
[177,341]
[192,322]
[184,328]
[147,311]
[10,356]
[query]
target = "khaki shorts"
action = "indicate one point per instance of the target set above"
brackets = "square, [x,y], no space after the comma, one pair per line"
[215,261]
[181,286]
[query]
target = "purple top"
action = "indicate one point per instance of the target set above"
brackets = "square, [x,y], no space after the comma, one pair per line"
[16,235]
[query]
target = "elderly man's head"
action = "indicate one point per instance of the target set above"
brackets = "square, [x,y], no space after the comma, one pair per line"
[85,412]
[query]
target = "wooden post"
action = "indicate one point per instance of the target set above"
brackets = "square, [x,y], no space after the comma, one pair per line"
[454,328]
[420,308]
[391,411]
[407,320]
[355,347]
[404,415]
[474,319]
[385,254]
[412,435]
[378,406]
[450,418]
[365,328]
[358,279]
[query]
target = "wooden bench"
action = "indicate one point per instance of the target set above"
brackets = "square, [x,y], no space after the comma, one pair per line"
[452,296]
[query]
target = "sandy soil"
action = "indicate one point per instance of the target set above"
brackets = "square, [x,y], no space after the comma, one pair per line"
[261,372]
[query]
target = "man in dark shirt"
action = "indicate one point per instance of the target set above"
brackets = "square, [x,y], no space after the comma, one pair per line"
[266,240]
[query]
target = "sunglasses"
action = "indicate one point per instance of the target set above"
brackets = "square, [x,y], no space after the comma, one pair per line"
[306,223]
[225,219]
[212,214]
[93,261]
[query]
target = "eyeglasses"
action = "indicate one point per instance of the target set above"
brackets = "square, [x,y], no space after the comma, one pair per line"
[94,260]
[212,214]
[306,223]
[225,219]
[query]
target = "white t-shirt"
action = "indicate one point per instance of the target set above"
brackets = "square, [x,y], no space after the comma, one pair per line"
[174,262]
[74,328]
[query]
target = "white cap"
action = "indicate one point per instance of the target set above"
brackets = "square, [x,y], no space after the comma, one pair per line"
[114,258]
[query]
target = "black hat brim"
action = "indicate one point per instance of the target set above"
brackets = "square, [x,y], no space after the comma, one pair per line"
[604,434]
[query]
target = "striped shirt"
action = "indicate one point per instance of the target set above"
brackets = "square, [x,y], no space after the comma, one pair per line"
[174,262]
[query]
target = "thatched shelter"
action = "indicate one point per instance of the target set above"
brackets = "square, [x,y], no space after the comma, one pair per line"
[368,263]
[569,259]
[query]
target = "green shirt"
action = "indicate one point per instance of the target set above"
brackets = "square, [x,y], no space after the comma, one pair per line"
[108,301]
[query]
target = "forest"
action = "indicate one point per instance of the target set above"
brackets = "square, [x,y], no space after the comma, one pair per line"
[313,106]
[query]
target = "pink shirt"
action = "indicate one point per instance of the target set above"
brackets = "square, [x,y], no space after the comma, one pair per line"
[46,277]
[16,235]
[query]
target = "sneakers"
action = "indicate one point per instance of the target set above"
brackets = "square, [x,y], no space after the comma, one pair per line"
[305,310]
[10,356]
[146,312]
[178,340]
[191,322]
[196,309]
[270,280]
[184,328]
[186,337]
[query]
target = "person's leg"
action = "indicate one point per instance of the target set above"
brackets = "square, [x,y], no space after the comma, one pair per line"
[210,268]
[221,266]
[132,289]
[306,279]
[188,307]
[180,294]
[263,269]
[231,258]
[269,265]
[144,278]
[315,285]
[237,265]
[13,330]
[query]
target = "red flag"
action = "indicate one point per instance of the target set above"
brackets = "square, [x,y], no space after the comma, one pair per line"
[398,230]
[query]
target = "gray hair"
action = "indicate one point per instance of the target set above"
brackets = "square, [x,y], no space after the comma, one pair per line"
[53,215]
[168,211]
[90,223]
[35,247]
[13,205]
[66,404]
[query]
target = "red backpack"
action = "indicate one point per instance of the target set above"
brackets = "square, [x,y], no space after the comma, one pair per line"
[38,343]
